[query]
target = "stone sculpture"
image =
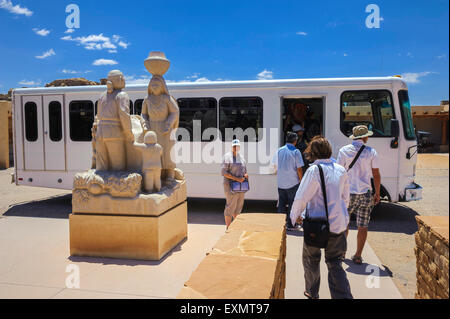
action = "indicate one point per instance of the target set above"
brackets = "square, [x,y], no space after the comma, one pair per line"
[160,110]
[151,162]
[132,202]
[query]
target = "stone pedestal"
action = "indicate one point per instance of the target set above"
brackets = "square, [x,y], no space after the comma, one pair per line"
[122,222]
[129,237]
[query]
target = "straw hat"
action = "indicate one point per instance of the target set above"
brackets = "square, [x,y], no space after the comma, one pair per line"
[360,131]
[157,63]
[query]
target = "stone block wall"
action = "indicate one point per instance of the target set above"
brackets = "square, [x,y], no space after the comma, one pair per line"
[248,262]
[432,257]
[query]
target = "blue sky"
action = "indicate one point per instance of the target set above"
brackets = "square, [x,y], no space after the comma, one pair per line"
[230,40]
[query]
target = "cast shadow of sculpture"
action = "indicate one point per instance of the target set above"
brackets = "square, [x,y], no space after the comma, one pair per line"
[51,207]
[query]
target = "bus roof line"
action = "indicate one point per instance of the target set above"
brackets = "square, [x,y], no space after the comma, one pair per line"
[262,84]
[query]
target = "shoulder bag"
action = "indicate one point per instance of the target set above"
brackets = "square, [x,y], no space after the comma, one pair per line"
[317,231]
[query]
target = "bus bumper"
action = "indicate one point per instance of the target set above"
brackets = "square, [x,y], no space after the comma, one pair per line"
[413,192]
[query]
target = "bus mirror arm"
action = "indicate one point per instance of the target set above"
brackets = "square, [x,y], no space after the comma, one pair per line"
[408,154]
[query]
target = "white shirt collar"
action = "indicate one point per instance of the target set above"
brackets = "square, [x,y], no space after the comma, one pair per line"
[323,161]
[357,142]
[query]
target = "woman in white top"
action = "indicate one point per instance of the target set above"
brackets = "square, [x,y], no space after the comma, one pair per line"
[309,196]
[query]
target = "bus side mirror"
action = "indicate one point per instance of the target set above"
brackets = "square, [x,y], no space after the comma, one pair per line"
[395,128]
[395,132]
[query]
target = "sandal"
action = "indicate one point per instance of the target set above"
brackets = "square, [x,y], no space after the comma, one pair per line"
[307,295]
[357,259]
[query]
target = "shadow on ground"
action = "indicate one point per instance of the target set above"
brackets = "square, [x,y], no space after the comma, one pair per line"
[53,207]
[391,217]
[386,217]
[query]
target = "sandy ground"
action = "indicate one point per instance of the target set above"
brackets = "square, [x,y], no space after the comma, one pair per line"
[392,228]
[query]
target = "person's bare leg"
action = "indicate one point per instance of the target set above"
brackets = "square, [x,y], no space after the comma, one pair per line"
[228,220]
[361,240]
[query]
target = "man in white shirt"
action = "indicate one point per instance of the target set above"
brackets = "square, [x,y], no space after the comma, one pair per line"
[361,163]
[311,197]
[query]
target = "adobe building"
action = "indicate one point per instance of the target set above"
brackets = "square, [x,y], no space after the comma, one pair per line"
[6,140]
[433,119]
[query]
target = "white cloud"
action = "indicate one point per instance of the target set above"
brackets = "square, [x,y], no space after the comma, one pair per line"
[30,83]
[46,54]
[193,76]
[345,54]
[265,75]
[42,32]
[301,33]
[143,79]
[414,77]
[15,9]
[442,56]
[66,71]
[123,44]
[99,62]
[70,71]
[98,42]
[409,54]
[202,79]
[69,31]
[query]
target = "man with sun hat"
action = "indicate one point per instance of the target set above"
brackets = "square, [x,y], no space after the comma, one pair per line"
[361,163]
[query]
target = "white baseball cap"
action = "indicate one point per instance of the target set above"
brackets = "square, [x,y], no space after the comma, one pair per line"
[236,143]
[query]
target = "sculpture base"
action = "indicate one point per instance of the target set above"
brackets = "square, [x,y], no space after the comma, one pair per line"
[128,237]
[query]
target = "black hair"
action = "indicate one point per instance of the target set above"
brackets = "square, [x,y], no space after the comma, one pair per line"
[291,137]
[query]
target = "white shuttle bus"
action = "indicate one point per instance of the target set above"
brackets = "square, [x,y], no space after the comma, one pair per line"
[52,128]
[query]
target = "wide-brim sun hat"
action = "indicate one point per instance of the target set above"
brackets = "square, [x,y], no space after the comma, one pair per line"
[157,63]
[360,131]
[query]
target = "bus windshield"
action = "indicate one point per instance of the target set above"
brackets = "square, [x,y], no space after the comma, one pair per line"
[405,107]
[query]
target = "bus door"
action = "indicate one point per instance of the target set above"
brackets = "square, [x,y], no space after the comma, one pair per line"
[33,140]
[54,139]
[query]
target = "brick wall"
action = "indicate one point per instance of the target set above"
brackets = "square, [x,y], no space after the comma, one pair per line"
[248,262]
[432,257]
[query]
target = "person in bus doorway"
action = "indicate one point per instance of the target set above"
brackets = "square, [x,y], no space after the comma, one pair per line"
[361,162]
[288,162]
[310,197]
[301,144]
[234,168]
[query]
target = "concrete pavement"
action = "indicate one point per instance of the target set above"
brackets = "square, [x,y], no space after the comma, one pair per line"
[36,264]
[371,280]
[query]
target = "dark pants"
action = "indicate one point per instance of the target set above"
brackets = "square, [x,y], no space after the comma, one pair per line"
[285,201]
[337,277]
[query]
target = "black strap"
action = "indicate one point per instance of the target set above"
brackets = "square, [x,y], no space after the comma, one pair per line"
[356,157]
[324,191]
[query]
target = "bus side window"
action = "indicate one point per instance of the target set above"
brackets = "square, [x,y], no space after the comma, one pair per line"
[138,106]
[31,122]
[131,107]
[201,110]
[373,108]
[241,113]
[55,121]
[81,119]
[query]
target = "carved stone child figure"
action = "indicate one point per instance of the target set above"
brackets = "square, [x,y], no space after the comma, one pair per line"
[151,162]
